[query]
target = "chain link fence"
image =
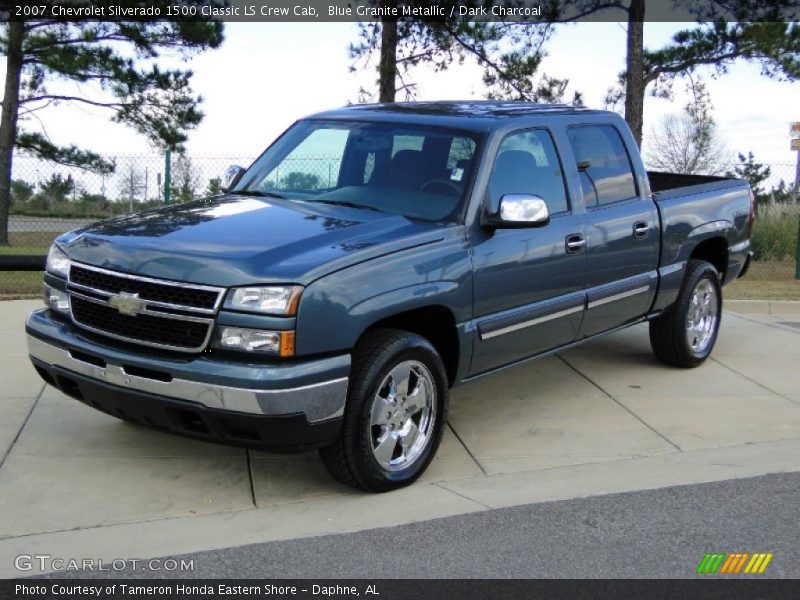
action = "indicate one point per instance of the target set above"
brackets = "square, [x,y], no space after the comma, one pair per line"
[48,200]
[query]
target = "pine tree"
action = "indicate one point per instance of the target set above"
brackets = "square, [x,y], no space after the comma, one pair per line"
[119,58]
[510,53]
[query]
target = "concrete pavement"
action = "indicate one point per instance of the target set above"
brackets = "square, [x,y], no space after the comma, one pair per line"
[598,419]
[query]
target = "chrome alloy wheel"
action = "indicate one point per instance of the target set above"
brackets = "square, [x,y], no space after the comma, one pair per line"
[701,318]
[403,415]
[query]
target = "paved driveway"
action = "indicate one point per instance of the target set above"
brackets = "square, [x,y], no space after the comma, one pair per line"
[602,418]
[45,224]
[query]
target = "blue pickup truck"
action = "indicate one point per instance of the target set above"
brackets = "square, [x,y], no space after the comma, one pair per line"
[373,257]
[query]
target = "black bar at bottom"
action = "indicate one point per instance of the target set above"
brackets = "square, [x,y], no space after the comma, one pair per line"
[705,587]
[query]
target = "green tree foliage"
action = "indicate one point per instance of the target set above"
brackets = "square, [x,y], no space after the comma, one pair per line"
[115,64]
[761,31]
[756,174]
[21,192]
[300,181]
[92,204]
[784,193]
[774,46]
[56,190]
[214,187]
[185,180]
[510,53]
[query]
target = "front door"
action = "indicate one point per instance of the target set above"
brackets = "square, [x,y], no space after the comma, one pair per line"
[528,283]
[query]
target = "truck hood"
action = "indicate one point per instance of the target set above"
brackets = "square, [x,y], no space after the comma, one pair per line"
[236,240]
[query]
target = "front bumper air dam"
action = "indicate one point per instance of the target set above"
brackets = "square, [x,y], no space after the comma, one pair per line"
[301,410]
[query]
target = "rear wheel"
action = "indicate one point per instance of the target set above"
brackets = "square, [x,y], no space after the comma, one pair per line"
[685,334]
[395,413]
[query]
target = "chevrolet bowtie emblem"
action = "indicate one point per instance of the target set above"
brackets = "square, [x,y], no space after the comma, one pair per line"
[127,304]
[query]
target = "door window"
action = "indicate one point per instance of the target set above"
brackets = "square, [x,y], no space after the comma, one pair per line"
[527,163]
[603,164]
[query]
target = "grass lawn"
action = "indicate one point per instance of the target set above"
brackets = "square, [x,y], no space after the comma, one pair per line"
[24,284]
[772,280]
[28,242]
[20,284]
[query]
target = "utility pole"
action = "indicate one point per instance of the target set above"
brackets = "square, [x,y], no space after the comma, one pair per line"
[794,131]
[167,175]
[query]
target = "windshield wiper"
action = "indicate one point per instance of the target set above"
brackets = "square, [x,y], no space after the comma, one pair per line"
[258,193]
[346,203]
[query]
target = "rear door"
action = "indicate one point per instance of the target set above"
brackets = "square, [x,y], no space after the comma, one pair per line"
[528,287]
[622,234]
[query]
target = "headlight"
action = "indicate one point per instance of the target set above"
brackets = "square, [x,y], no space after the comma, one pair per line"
[56,299]
[277,300]
[279,343]
[57,262]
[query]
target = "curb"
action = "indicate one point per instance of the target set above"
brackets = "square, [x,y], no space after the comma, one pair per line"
[764,307]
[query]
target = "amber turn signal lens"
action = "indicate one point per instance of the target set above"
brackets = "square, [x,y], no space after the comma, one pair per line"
[287,343]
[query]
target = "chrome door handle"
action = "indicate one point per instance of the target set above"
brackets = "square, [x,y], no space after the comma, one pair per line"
[574,243]
[640,230]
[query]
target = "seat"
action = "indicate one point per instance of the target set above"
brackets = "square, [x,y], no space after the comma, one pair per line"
[406,171]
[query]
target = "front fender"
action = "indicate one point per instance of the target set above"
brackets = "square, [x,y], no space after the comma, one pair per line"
[404,299]
[335,310]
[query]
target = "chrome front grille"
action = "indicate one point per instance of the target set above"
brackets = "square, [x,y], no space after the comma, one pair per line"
[163,293]
[143,310]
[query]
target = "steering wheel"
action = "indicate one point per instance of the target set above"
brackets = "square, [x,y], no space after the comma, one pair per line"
[449,185]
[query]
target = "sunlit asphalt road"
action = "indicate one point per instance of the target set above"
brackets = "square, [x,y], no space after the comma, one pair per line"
[655,533]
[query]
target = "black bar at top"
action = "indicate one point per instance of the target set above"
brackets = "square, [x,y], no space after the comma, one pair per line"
[368,10]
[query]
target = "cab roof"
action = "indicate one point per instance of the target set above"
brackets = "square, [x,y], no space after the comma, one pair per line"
[476,115]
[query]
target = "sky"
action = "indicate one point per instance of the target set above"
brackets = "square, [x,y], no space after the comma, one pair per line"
[267,75]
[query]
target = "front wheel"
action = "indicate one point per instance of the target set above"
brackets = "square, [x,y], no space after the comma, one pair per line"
[685,334]
[395,413]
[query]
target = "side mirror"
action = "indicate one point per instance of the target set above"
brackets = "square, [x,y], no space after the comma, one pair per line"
[231,177]
[519,210]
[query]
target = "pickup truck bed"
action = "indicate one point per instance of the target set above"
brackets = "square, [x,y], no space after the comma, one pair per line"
[661,181]
[716,203]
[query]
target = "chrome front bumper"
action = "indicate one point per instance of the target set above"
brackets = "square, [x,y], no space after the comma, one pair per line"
[318,401]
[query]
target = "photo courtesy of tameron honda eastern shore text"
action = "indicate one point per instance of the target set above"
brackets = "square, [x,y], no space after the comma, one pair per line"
[373,257]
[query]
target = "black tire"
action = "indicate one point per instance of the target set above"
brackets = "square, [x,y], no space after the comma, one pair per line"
[351,459]
[668,334]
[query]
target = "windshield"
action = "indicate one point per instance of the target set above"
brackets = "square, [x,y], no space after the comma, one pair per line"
[414,171]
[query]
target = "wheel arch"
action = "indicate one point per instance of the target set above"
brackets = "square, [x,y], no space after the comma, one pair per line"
[437,324]
[713,250]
